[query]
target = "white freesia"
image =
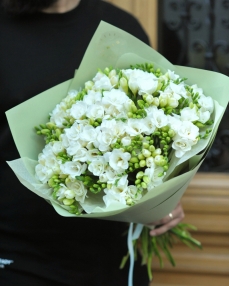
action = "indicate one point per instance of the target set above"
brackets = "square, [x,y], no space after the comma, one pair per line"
[188,130]
[115,98]
[181,146]
[43,173]
[57,147]
[189,114]
[135,127]
[80,155]
[95,111]
[159,119]
[58,115]
[73,168]
[102,82]
[118,159]
[78,188]
[78,110]
[177,89]
[92,97]
[104,139]
[206,103]
[204,115]
[97,166]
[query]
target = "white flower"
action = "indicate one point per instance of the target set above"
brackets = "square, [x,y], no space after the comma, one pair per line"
[73,148]
[73,168]
[58,115]
[108,176]
[102,82]
[78,110]
[176,89]
[181,146]
[197,89]
[135,127]
[189,114]
[78,188]
[188,130]
[159,119]
[117,127]
[57,147]
[206,103]
[95,111]
[115,98]
[172,75]
[43,173]
[141,81]
[92,97]
[174,122]
[147,84]
[149,125]
[97,166]
[80,155]
[73,132]
[204,115]
[88,134]
[133,194]
[126,141]
[118,159]
[104,139]
[114,195]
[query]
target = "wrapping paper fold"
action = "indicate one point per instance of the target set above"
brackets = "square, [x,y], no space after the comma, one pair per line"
[111,46]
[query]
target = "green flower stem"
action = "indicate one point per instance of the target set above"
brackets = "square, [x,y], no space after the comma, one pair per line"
[153,246]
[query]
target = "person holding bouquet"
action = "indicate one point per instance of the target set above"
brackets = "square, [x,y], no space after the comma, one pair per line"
[42,43]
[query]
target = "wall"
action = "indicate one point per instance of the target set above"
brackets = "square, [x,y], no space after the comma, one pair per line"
[145,11]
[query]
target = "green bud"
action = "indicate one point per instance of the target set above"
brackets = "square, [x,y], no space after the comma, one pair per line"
[142,163]
[146,153]
[124,84]
[141,103]
[45,131]
[151,148]
[146,179]
[140,175]
[68,202]
[50,125]
[144,185]
[145,145]
[171,133]
[199,124]
[136,165]
[134,160]
[141,157]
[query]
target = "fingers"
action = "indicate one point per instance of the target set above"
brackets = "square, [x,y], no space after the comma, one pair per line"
[168,222]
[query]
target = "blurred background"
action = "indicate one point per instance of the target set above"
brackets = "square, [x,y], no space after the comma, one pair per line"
[195,33]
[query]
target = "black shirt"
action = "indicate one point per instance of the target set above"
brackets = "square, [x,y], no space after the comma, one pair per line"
[37,52]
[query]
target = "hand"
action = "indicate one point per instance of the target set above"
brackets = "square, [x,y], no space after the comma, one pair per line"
[168,222]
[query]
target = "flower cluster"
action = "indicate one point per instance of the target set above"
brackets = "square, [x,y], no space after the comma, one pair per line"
[118,133]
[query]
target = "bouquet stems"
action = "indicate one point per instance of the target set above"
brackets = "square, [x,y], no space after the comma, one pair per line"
[150,246]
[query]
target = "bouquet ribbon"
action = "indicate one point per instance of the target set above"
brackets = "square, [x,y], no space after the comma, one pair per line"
[132,235]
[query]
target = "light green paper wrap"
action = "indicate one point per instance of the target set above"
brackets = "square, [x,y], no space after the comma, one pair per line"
[111,46]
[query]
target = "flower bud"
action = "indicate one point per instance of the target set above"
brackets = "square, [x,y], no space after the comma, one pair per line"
[144,185]
[134,160]
[68,202]
[146,153]
[89,85]
[140,175]
[124,84]
[160,160]
[142,163]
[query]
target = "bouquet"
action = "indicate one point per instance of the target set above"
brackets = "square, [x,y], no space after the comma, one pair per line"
[122,142]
